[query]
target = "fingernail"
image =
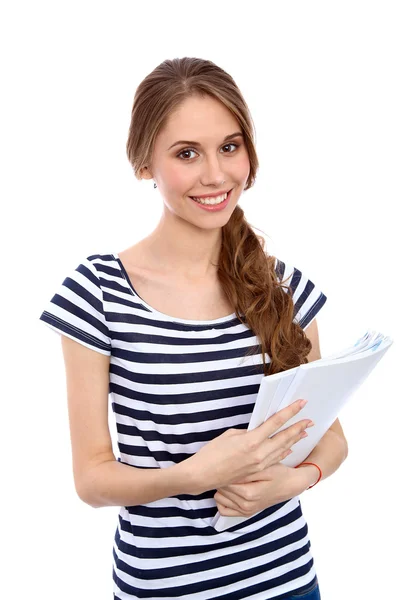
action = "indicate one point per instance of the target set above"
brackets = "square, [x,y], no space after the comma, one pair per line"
[304,434]
[310,424]
[303,403]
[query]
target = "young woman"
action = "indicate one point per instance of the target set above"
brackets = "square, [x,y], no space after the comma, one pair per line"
[180,328]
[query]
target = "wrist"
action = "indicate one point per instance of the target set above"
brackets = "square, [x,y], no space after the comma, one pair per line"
[187,477]
[309,474]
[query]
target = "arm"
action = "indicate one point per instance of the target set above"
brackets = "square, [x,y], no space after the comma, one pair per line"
[332,448]
[112,483]
[280,483]
[100,480]
[328,454]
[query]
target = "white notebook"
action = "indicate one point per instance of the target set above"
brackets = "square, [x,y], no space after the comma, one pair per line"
[327,384]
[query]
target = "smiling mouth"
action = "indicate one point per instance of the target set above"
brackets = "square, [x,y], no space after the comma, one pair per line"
[212,200]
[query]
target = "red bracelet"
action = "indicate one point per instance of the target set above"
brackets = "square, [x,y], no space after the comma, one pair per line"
[311,463]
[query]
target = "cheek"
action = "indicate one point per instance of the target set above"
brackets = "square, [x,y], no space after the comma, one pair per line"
[177,177]
[241,168]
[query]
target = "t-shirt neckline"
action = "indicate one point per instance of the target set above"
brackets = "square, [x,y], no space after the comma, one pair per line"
[164,315]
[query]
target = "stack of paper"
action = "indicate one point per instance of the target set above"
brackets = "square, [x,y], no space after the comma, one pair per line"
[327,384]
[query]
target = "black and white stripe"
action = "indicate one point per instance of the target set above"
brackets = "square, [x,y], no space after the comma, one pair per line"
[176,384]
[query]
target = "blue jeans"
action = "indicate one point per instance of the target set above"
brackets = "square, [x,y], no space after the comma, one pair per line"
[311,592]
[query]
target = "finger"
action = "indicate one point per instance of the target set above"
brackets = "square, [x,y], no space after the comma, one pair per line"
[226,502]
[233,509]
[227,496]
[272,458]
[236,492]
[274,446]
[284,454]
[279,454]
[275,422]
[229,512]
[292,434]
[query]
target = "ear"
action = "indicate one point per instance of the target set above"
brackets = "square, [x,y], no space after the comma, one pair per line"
[146,173]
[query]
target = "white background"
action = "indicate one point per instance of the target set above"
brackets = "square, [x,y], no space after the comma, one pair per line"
[322,83]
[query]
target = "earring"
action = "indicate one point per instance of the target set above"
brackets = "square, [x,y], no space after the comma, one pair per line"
[155,185]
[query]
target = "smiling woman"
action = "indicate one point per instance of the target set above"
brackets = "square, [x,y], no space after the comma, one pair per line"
[208,119]
[180,328]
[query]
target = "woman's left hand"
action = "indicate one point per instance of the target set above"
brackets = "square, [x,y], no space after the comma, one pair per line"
[259,491]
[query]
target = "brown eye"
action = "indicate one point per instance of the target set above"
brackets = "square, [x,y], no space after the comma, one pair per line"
[187,150]
[226,146]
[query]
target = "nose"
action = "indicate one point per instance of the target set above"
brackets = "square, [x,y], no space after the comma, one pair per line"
[212,173]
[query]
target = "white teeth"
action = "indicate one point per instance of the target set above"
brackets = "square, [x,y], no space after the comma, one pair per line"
[216,200]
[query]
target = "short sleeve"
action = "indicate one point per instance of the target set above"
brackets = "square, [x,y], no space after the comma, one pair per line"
[308,299]
[76,310]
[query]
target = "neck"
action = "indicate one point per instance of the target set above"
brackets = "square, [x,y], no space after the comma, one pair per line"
[186,250]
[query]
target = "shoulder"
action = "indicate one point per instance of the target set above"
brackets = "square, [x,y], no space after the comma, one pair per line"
[308,298]
[95,266]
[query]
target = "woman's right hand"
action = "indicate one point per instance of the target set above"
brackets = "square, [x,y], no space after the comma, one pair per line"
[238,453]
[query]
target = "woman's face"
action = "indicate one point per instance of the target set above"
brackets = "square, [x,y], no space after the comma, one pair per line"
[182,170]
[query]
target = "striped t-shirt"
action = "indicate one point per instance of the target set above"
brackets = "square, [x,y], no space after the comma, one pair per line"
[176,384]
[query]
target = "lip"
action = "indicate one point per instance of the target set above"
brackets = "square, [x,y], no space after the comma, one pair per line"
[214,207]
[211,195]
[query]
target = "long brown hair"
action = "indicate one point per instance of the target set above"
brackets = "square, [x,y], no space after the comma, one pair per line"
[245,270]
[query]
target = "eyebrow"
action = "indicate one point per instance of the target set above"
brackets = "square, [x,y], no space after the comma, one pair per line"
[228,137]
